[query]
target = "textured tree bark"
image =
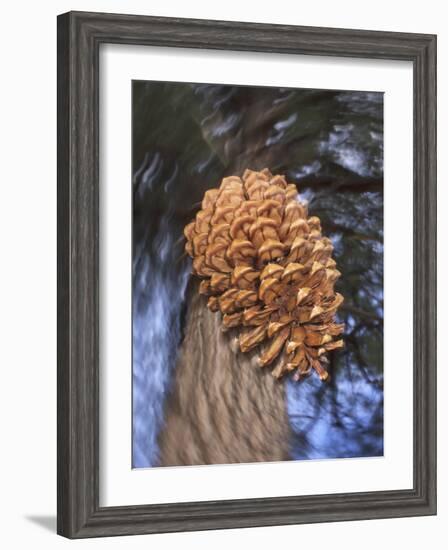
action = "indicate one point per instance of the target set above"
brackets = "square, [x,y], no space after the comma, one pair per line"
[223,408]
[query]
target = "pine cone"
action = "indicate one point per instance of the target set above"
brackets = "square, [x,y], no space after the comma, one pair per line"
[267,268]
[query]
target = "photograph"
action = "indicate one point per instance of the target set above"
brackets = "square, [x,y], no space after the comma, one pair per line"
[257,274]
[220,275]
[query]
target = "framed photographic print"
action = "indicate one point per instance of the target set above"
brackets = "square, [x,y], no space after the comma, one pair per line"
[246,274]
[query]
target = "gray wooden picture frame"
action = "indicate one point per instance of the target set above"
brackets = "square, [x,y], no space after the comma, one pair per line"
[79,38]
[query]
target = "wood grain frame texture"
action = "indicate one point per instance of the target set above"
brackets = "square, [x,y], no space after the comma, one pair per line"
[79,38]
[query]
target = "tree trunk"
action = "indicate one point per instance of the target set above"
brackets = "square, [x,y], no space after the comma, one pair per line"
[223,408]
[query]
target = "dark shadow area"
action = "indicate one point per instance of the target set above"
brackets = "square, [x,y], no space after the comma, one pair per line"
[46,522]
